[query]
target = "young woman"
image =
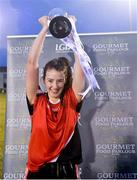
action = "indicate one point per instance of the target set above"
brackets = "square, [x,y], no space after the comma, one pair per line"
[54,147]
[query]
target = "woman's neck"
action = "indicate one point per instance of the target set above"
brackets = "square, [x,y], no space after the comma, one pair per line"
[54,101]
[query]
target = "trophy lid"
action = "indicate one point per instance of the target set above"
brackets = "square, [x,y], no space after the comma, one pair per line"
[57,12]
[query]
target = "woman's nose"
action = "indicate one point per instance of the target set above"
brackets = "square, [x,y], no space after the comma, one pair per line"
[55,84]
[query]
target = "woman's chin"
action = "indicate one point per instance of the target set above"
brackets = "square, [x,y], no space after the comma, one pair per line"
[55,95]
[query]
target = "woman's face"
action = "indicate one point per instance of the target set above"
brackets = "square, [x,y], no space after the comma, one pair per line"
[54,81]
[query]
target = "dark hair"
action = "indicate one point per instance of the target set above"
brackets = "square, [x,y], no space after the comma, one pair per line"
[60,64]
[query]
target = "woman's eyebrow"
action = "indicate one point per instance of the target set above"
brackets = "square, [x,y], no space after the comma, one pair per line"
[49,78]
[53,78]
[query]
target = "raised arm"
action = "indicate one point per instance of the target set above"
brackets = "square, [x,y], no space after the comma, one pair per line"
[32,67]
[78,83]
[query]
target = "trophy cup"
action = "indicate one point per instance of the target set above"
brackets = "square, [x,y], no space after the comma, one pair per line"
[59,25]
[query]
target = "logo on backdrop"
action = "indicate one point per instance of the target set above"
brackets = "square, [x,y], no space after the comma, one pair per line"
[16,149]
[115,175]
[17,73]
[115,149]
[112,71]
[16,175]
[62,48]
[114,95]
[14,97]
[22,49]
[110,48]
[19,122]
[114,121]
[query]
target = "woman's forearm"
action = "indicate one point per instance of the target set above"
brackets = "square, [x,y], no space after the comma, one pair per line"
[78,78]
[34,54]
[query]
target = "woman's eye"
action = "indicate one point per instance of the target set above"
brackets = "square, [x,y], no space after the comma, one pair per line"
[50,81]
[61,80]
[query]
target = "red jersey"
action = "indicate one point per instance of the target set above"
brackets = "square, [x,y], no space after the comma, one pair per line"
[50,131]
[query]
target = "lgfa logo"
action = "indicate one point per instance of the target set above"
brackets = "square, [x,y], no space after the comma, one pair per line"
[62,47]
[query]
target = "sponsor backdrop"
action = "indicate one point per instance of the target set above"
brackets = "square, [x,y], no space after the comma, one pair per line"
[108,117]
